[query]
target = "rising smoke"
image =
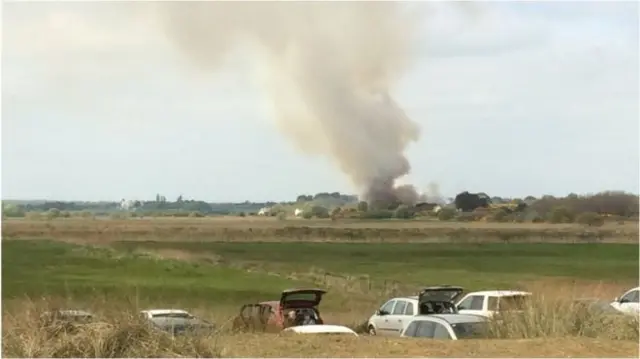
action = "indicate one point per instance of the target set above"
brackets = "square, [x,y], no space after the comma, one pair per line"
[328,68]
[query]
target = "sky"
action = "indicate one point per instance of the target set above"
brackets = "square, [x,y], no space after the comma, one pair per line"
[513,99]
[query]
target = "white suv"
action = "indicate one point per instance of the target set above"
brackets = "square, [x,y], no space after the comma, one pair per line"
[629,302]
[394,315]
[487,303]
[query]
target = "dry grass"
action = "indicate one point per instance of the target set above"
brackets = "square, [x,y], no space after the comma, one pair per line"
[550,328]
[271,229]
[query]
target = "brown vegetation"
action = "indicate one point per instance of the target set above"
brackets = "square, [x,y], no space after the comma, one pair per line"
[550,328]
[269,229]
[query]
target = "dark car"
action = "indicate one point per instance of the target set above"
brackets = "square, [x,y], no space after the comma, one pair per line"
[439,300]
[295,307]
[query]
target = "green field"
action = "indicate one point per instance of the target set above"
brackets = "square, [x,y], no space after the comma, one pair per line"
[37,268]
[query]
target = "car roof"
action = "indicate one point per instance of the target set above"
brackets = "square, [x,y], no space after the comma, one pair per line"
[72,312]
[412,297]
[320,329]
[499,293]
[292,290]
[165,311]
[453,318]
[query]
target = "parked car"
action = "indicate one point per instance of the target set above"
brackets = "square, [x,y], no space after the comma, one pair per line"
[182,325]
[66,316]
[296,307]
[321,329]
[166,313]
[447,327]
[629,302]
[594,306]
[488,303]
[393,315]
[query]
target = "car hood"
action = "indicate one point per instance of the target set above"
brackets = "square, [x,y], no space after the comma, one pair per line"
[440,294]
[301,297]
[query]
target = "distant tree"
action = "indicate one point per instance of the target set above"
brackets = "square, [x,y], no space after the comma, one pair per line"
[363,206]
[12,210]
[304,198]
[467,202]
[320,211]
[335,195]
[179,199]
[529,198]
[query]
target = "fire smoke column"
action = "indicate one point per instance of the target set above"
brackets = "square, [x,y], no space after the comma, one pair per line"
[328,68]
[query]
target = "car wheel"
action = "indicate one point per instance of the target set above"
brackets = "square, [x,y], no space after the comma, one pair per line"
[372,330]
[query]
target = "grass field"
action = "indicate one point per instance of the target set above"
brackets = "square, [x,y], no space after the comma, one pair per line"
[135,266]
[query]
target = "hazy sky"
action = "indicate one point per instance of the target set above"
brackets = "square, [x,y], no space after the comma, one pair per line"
[513,99]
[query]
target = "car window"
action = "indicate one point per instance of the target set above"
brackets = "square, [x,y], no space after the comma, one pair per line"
[441,332]
[477,302]
[631,297]
[465,303]
[425,329]
[411,329]
[388,306]
[514,302]
[399,308]
[471,330]
[492,303]
[409,309]
[172,315]
[473,302]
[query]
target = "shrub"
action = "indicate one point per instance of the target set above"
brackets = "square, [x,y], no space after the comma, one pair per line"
[590,219]
[363,206]
[307,215]
[402,212]
[320,212]
[446,214]
[377,214]
[281,216]
[561,214]
[53,213]
[241,214]
[500,216]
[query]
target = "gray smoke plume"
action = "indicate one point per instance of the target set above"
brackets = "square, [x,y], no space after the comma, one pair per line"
[328,68]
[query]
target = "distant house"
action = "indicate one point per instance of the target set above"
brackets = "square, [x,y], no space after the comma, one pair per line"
[127,205]
[298,212]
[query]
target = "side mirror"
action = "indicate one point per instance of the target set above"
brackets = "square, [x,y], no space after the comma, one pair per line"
[382,312]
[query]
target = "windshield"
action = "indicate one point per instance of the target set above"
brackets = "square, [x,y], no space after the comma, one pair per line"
[470,330]
[173,315]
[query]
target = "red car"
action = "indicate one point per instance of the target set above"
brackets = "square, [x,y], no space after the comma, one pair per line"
[295,307]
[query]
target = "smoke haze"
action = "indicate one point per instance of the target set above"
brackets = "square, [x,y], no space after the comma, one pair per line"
[328,68]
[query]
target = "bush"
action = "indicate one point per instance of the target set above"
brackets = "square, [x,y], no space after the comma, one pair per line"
[446,214]
[281,216]
[241,214]
[402,212]
[363,206]
[377,214]
[500,216]
[590,219]
[11,210]
[320,212]
[561,215]
[53,213]
[307,215]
